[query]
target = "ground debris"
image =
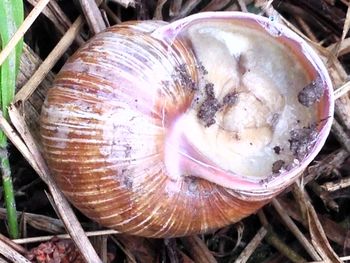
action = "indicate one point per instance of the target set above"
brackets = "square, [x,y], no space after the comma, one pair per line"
[55,250]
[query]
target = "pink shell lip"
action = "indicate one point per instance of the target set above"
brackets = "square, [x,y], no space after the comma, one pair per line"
[255,187]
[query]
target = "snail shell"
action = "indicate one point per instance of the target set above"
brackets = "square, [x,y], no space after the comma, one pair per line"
[127,134]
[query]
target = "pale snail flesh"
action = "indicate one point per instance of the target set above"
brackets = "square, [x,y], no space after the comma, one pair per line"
[165,130]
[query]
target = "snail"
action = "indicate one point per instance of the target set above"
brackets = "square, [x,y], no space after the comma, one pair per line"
[164,130]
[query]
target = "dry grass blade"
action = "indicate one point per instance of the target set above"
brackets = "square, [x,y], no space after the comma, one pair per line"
[242,5]
[13,245]
[342,258]
[53,12]
[175,7]
[113,17]
[342,110]
[345,31]
[100,244]
[93,16]
[344,47]
[159,9]
[186,9]
[65,211]
[215,5]
[40,222]
[295,230]
[333,230]
[29,240]
[50,61]
[251,247]
[22,29]
[17,141]
[11,254]
[318,237]
[341,91]
[125,3]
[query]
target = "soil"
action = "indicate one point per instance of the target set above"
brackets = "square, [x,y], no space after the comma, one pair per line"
[312,93]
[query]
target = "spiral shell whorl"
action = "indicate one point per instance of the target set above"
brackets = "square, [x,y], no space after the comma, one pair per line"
[107,153]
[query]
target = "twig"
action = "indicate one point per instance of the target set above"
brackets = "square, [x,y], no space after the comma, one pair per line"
[50,61]
[272,238]
[295,230]
[251,247]
[110,13]
[324,196]
[340,134]
[22,29]
[298,194]
[128,254]
[198,250]
[334,186]
[333,230]
[326,165]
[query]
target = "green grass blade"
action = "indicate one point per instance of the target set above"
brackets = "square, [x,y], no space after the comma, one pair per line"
[11,16]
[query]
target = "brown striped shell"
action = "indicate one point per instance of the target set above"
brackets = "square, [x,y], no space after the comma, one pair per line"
[107,129]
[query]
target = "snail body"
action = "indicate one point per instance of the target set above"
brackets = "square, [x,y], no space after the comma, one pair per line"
[166,130]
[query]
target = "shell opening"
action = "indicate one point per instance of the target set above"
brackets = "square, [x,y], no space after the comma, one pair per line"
[255,110]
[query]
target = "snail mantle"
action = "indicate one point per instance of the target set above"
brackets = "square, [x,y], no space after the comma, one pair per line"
[166,130]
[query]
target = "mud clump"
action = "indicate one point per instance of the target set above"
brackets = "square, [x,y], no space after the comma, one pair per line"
[277,166]
[209,107]
[302,140]
[312,92]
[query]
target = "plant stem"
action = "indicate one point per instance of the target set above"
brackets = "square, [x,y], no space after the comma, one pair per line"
[11,16]
[8,193]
